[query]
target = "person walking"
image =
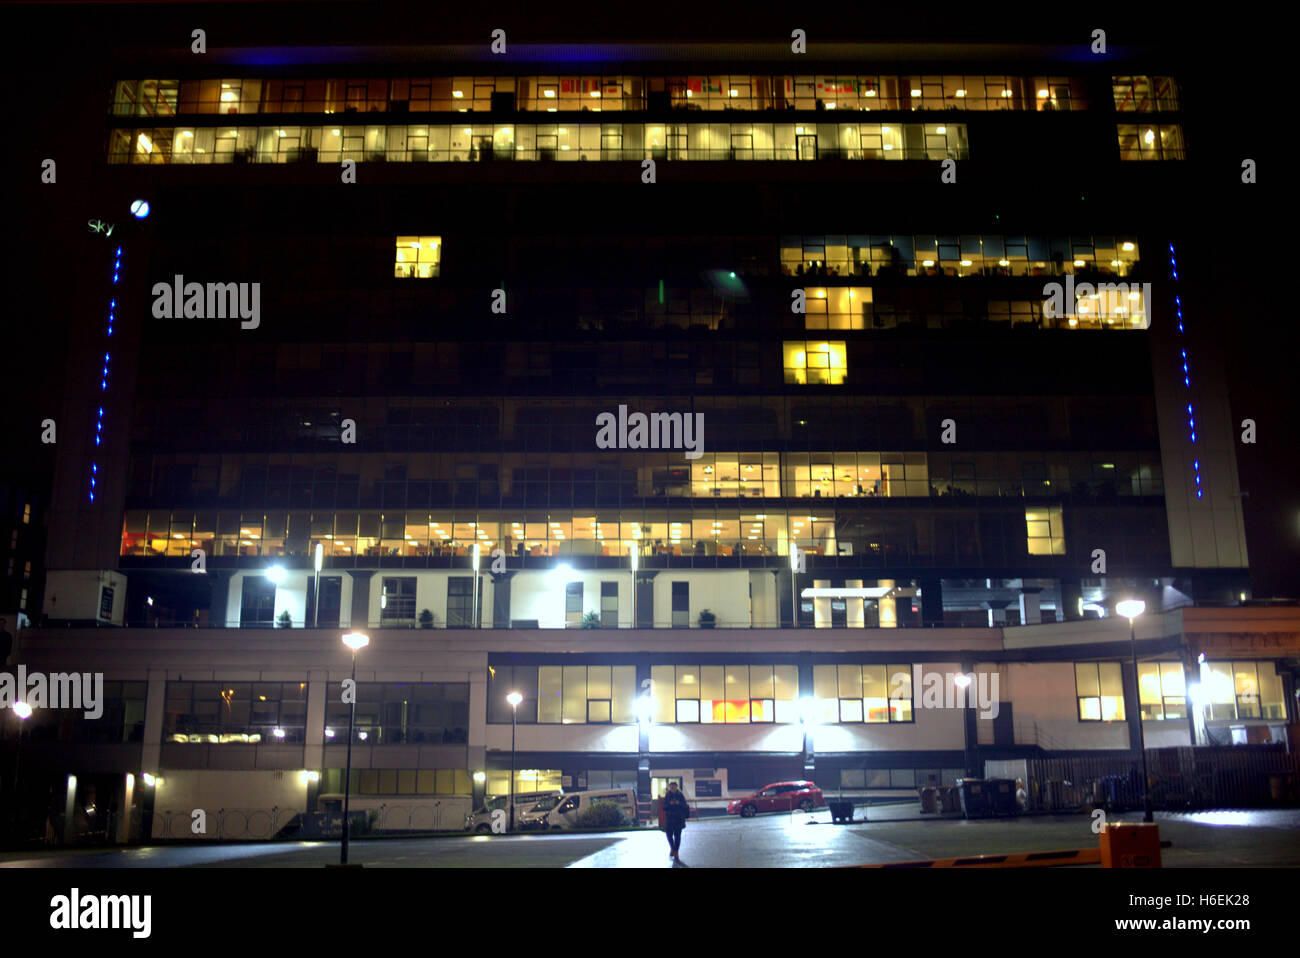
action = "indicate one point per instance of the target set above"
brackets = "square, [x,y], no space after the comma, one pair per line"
[676,810]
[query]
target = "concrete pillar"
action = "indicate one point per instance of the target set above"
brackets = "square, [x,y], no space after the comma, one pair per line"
[69,809]
[155,709]
[125,797]
[888,606]
[1030,614]
[1071,596]
[359,616]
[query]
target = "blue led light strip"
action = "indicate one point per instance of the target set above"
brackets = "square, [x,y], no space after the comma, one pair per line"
[103,374]
[1187,375]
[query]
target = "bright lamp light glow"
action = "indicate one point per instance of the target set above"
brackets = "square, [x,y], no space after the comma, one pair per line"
[645,709]
[1130,608]
[514,698]
[139,209]
[22,710]
[356,640]
[275,574]
[320,556]
[961,680]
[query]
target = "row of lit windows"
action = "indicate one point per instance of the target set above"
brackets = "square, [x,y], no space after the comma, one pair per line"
[597,93]
[586,141]
[721,475]
[956,255]
[733,534]
[1228,690]
[854,308]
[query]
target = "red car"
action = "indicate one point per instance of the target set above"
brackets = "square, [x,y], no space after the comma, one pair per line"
[779,797]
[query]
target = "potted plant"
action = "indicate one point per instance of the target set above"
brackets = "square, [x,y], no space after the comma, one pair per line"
[284,621]
[707,619]
[426,619]
[590,620]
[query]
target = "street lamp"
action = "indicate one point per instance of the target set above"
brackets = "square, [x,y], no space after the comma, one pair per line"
[24,712]
[474,610]
[962,681]
[356,641]
[514,698]
[319,561]
[794,589]
[1131,609]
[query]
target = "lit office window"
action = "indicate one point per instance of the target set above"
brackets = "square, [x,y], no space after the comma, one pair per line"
[837,307]
[418,257]
[1046,530]
[815,363]
[1151,142]
[1100,691]
[1161,690]
[1145,94]
[725,694]
[1242,690]
[582,695]
[862,693]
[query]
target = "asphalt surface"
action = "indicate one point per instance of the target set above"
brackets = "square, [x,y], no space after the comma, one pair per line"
[1232,839]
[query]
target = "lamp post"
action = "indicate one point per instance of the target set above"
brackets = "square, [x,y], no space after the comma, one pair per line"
[354,641]
[962,681]
[474,608]
[24,712]
[319,561]
[1131,609]
[794,589]
[636,563]
[514,698]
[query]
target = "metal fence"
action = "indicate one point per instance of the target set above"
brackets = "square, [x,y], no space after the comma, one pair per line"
[1203,777]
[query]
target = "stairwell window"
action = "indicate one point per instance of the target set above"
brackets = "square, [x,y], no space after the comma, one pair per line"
[1100,691]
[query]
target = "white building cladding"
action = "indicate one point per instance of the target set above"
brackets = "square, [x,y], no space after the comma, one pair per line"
[250,723]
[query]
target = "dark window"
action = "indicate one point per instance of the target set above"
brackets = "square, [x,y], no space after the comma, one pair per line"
[609,605]
[572,603]
[681,605]
[397,713]
[460,600]
[258,607]
[397,602]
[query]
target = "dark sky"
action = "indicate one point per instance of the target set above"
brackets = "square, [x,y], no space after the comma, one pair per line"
[1233,66]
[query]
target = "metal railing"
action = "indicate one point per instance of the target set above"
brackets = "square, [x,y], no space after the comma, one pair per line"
[1182,778]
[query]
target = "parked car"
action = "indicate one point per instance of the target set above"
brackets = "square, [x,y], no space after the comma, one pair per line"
[778,797]
[570,806]
[481,819]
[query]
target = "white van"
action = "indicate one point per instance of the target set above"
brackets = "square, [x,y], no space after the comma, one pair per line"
[565,814]
[532,817]
[481,820]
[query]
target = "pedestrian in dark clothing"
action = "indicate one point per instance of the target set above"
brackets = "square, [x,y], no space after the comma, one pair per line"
[676,810]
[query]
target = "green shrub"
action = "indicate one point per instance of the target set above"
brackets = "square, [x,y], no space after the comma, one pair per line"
[590,620]
[602,815]
[285,621]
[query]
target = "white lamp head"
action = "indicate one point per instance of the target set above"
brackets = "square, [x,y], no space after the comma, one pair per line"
[514,698]
[22,710]
[320,556]
[275,574]
[1130,608]
[356,640]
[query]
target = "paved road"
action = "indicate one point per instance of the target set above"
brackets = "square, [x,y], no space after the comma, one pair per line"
[1268,838]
